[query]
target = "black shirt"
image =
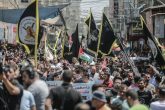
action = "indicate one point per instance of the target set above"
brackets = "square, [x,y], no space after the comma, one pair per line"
[145,97]
[89,102]
[3,104]
[128,83]
[13,101]
[64,97]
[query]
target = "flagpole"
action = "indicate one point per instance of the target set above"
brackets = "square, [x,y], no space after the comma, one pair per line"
[134,68]
[90,20]
[63,42]
[55,51]
[37,30]
[99,36]
[45,43]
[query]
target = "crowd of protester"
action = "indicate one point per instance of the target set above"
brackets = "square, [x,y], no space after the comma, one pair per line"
[114,85]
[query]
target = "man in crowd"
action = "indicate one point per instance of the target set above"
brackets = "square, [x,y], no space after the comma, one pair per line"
[132,99]
[160,104]
[11,91]
[27,101]
[152,71]
[37,87]
[120,100]
[99,101]
[93,74]
[148,85]
[130,79]
[145,96]
[63,97]
[82,106]
[116,86]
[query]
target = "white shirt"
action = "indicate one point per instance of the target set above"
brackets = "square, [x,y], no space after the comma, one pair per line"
[40,91]
[27,101]
[158,105]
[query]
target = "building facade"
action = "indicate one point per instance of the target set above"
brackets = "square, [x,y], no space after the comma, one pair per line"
[24,3]
[120,15]
[155,19]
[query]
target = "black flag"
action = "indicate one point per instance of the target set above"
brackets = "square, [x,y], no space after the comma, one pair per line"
[82,38]
[71,45]
[76,43]
[92,37]
[153,44]
[27,24]
[106,37]
[67,43]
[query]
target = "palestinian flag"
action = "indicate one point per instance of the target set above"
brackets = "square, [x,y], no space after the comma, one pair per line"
[84,56]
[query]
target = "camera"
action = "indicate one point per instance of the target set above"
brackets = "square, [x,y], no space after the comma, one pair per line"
[4,69]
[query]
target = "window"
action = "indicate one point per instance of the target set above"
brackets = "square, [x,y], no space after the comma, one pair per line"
[116,7]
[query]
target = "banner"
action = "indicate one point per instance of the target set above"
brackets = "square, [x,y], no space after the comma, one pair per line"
[52,84]
[85,89]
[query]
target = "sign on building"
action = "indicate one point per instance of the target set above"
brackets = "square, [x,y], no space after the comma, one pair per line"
[11,33]
[24,1]
[2,35]
[159,26]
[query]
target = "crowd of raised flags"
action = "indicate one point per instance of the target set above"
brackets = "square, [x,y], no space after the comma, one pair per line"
[70,53]
[99,42]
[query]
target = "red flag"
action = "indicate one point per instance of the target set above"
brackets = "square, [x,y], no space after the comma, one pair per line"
[104,63]
[81,51]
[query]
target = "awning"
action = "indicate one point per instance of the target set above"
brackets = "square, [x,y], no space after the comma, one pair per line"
[53,21]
